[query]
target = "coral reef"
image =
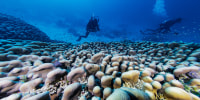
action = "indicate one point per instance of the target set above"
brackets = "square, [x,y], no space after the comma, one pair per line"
[15,28]
[36,70]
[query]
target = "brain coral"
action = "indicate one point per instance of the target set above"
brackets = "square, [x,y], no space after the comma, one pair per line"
[15,28]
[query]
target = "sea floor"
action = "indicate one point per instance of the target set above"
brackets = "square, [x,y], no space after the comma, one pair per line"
[34,70]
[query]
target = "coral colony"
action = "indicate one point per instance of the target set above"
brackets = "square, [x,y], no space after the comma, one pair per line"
[194,74]
[99,71]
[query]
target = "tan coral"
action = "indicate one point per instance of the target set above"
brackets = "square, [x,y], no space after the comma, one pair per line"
[106,81]
[117,83]
[72,91]
[195,82]
[159,78]
[18,71]
[169,77]
[37,63]
[55,75]
[91,83]
[92,68]
[4,64]
[136,68]
[130,68]
[43,67]
[99,74]
[175,93]
[116,59]
[104,63]
[147,79]
[130,76]
[156,86]
[97,57]
[152,71]
[172,62]
[176,83]
[97,91]
[132,52]
[75,74]
[114,74]
[145,73]
[102,67]
[147,87]
[6,83]
[152,65]
[165,85]
[115,63]
[184,70]
[109,71]
[46,59]
[123,67]
[13,64]
[107,58]
[29,86]
[142,66]
[106,92]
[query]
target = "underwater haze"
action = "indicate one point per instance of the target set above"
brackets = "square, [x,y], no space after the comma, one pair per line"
[66,20]
[99,49]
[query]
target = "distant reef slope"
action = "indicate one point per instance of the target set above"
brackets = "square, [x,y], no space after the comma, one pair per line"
[15,28]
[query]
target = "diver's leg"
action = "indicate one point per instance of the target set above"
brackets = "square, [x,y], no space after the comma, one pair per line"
[86,35]
[79,39]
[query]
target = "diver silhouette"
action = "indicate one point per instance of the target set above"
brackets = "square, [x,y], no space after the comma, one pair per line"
[164,27]
[92,26]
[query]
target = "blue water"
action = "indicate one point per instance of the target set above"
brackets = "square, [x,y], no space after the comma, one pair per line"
[120,20]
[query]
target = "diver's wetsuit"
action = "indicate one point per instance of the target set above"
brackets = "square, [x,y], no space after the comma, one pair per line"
[164,27]
[92,26]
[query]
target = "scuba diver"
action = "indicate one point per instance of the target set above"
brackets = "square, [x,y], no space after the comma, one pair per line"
[92,26]
[164,27]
